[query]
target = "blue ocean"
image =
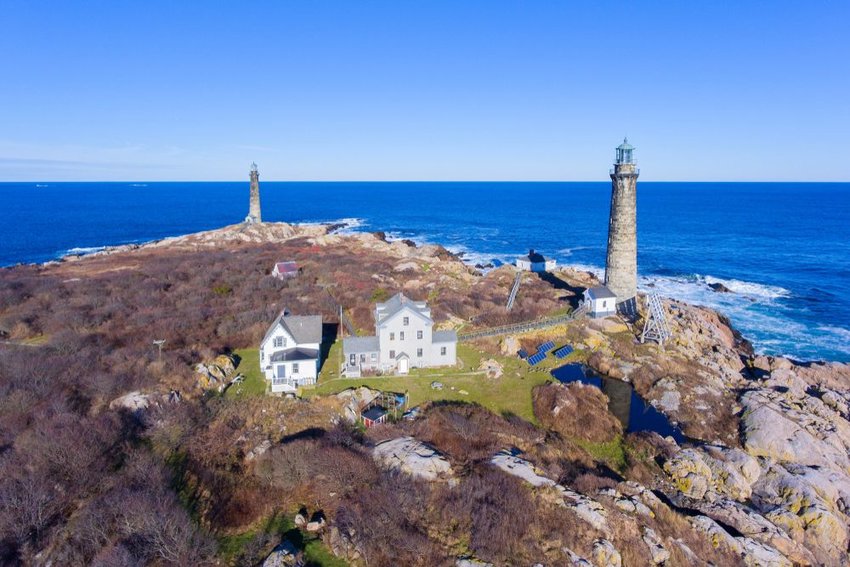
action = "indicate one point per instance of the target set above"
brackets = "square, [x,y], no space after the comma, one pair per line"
[782,248]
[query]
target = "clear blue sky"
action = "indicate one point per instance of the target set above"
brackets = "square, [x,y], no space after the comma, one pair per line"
[398,89]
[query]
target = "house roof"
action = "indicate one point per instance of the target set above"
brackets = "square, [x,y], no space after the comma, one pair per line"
[302,328]
[397,303]
[600,292]
[535,257]
[286,267]
[374,413]
[356,345]
[294,355]
[444,337]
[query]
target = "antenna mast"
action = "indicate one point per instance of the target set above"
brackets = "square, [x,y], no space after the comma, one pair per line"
[655,328]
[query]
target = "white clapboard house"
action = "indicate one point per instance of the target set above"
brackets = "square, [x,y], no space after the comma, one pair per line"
[404,338]
[290,351]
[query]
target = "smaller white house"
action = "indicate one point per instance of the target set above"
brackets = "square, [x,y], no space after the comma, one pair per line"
[289,353]
[534,262]
[283,270]
[600,301]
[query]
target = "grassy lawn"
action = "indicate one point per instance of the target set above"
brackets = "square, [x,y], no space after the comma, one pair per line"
[509,394]
[249,366]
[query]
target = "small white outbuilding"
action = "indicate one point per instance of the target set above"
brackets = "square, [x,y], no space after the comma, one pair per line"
[600,301]
[535,262]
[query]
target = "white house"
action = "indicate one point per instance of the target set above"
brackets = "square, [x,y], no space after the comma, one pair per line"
[534,262]
[404,338]
[600,301]
[289,353]
[283,270]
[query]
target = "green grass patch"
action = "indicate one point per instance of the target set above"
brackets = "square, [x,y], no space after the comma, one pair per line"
[380,295]
[249,366]
[282,528]
[508,394]
[612,453]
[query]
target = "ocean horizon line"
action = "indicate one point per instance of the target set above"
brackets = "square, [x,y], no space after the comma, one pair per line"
[423,181]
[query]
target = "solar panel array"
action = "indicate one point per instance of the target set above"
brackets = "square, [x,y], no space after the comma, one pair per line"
[535,358]
[546,347]
[522,353]
[563,352]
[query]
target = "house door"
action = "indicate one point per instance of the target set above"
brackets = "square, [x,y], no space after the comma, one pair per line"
[403,366]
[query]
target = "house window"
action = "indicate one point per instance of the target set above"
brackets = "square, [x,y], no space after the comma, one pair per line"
[374,356]
[418,334]
[392,336]
[401,336]
[392,354]
[362,358]
[419,352]
[352,360]
[295,368]
[442,351]
[406,321]
[279,342]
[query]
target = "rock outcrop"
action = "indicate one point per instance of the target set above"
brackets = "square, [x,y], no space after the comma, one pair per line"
[413,457]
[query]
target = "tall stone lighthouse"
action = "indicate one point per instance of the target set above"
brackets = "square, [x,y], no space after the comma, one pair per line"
[254,215]
[621,261]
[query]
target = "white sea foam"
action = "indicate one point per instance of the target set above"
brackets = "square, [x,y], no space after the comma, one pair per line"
[750,289]
[83,250]
[350,224]
[569,251]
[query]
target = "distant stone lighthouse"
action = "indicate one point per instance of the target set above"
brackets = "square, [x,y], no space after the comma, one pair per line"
[621,261]
[254,215]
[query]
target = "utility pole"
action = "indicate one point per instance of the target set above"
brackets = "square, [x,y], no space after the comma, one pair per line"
[159,343]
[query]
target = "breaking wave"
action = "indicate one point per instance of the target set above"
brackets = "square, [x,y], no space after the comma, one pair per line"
[83,250]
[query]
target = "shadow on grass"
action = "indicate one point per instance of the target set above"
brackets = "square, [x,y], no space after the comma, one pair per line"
[329,335]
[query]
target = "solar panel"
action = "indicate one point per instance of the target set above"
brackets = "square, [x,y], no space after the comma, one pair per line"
[522,353]
[546,347]
[563,351]
[535,358]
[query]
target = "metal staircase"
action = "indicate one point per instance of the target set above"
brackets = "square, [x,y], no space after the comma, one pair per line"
[514,291]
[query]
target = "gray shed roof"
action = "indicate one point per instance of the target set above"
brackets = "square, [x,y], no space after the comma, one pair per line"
[600,292]
[303,328]
[294,355]
[357,345]
[444,337]
[398,302]
[374,413]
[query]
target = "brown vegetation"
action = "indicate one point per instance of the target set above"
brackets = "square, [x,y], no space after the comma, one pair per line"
[576,411]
